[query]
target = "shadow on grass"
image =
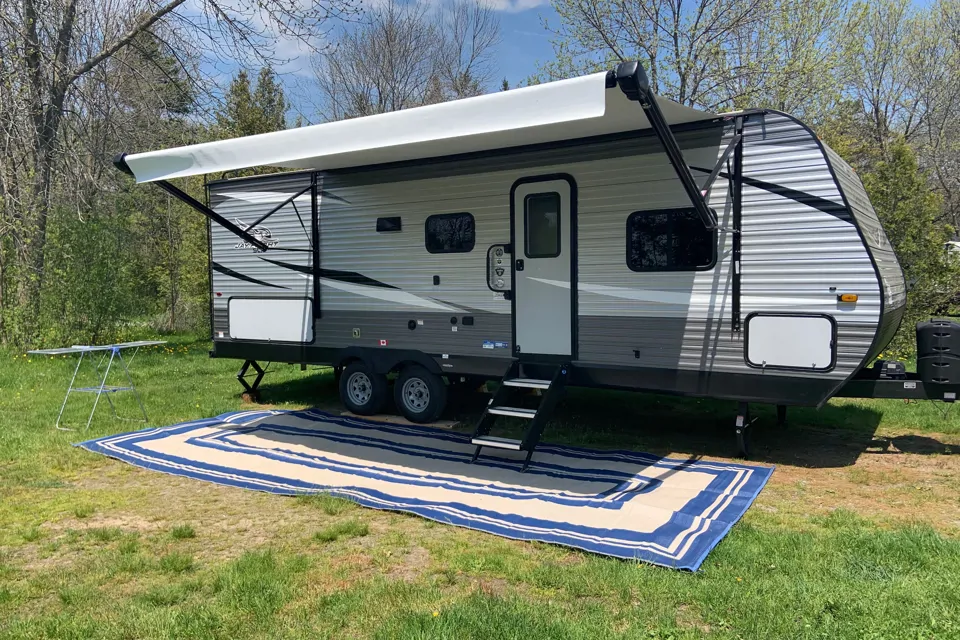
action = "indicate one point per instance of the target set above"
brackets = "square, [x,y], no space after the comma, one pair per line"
[834,436]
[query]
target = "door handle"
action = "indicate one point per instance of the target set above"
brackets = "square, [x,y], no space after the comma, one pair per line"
[519,265]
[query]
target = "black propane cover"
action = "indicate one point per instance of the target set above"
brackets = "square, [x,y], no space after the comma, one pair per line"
[938,352]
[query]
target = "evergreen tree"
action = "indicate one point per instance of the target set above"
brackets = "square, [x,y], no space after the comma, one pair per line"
[249,110]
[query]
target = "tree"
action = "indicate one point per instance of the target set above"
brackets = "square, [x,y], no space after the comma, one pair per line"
[713,54]
[250,110]
[909,211]
[401,55]
[876,71]
[51,48]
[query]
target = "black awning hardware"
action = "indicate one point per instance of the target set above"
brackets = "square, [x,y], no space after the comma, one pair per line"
[281,206]
[120,163]
[723,158]
[632,80]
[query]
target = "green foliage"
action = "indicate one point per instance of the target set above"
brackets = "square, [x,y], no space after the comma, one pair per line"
[176,563]
[94,285]
[345,529]
[330,505]
[910,212]
[259,583]
[249,110]
[183,532]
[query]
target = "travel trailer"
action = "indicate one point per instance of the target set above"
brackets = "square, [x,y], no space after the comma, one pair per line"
[580,232]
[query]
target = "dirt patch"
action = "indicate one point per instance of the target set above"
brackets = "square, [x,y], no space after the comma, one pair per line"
[491,586]
[688,618]
[894,479]
[411,566]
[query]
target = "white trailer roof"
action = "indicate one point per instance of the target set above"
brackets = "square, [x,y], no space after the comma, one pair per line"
[562,110]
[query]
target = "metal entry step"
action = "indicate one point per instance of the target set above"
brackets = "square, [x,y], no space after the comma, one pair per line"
[527,383]
[516,412]
[497,443]
[512,380]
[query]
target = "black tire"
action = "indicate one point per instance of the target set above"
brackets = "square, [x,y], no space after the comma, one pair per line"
[420,396]
[361,390]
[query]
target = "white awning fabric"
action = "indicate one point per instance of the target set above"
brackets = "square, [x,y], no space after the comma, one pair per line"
[550,112]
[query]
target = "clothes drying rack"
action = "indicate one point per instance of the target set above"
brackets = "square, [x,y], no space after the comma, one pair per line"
[108,353]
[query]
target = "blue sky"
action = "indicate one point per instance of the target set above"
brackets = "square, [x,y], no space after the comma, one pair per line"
[525,42]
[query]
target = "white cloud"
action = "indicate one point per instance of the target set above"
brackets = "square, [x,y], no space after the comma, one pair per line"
[515,6]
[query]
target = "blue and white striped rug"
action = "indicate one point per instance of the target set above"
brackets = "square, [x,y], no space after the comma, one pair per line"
[619,503]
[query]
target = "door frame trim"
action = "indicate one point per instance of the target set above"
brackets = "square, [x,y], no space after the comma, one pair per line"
[574,261]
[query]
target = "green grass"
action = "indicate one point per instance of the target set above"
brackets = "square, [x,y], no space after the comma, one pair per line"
[183,532]
[328,504]
[176,563]
[93,548]
[341,530]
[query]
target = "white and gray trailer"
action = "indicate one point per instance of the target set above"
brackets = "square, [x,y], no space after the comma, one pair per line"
[581,232]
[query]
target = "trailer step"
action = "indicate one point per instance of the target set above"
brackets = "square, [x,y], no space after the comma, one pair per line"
[497,443]
[514,378]
[516,412]
[527,383]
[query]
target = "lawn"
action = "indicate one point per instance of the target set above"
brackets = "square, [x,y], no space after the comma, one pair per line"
[856,536]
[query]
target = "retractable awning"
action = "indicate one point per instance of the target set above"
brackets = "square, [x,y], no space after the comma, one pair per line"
[555,111]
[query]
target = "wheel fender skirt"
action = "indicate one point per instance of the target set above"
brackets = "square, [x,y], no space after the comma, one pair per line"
[384,360]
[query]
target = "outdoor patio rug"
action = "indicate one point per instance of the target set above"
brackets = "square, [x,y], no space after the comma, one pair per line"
[619,503]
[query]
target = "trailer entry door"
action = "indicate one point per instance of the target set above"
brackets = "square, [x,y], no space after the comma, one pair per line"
[542,215]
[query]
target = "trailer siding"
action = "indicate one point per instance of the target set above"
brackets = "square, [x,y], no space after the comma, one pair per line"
[241,272]
[891,275]
[801,247]
[621,175]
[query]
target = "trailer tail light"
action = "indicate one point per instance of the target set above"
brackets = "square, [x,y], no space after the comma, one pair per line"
[847,297]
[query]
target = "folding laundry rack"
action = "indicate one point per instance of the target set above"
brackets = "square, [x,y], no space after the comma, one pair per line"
[115,352]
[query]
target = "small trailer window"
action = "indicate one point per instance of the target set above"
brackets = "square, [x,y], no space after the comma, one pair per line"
[450,233]
[669,240]
[541,213]
[387,225]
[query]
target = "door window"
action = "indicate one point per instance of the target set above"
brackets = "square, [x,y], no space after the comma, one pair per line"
[541,223]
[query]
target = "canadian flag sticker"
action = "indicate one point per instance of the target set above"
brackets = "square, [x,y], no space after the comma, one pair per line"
[383,343]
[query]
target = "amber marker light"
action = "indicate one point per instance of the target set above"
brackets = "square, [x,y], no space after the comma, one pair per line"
[847,297]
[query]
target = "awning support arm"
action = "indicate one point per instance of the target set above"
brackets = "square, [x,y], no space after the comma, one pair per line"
[632,80]
[719,166]
[279,206]
[186,198]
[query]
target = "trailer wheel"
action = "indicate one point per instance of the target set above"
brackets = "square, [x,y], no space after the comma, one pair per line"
[361,390]
[420,396]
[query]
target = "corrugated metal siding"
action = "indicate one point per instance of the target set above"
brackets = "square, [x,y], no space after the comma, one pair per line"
[795,251]
[243,202]
[480,186]
[798,239]
[894,285]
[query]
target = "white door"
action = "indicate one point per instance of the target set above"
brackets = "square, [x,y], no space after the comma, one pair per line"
[542,254]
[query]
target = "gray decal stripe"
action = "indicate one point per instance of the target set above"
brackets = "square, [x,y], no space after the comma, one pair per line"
[822,204]
[332,274]
[219,268]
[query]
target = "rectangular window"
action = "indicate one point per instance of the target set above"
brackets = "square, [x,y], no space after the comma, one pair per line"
[450,233]
[388,225]
[669,240]
[541,223]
